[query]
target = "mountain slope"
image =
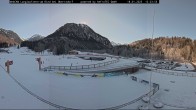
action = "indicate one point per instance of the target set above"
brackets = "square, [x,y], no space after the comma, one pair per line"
[81,33]
[9,36]
[36,37]
[115,44]
[71,36]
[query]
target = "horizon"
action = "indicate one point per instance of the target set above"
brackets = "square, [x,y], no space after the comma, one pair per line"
[106,37]
[120,23]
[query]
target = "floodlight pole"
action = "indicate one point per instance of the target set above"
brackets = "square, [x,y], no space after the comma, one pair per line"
[151,59]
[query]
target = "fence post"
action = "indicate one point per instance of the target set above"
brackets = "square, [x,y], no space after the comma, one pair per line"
[153,91]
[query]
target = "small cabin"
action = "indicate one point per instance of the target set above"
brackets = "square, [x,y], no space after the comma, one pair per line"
[73,52]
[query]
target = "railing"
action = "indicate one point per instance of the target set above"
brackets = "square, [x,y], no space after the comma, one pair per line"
[80,66]
[112,56]
[38,97]
[152,92]
[175,73]
[154,85]
[170,72]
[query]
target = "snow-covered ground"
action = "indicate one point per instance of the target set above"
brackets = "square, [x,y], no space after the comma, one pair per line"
[177,91]
[13,97]
[167,65]
[185,66]
[73,92]
[85,92]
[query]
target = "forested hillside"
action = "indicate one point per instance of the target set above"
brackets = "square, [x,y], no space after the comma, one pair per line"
[174,48]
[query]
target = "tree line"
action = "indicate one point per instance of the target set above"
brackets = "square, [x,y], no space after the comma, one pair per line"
[39,46]
[181,48]
[174,48]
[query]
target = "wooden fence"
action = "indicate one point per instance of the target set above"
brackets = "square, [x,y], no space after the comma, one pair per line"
[175,73]
[80,66]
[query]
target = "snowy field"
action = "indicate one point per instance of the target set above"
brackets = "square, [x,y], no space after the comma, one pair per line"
[73,92]
[178,91]
[85,92]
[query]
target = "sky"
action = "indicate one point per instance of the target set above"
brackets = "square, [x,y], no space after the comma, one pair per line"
[121,23]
